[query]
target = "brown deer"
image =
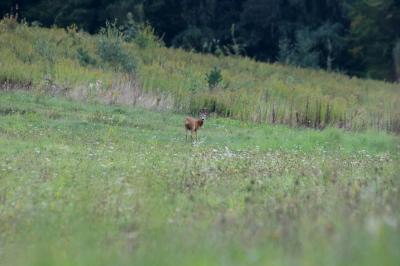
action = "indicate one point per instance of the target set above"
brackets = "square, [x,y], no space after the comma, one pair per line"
[194,124]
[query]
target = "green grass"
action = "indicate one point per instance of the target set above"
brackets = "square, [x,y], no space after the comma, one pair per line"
[91,184]
[250,91]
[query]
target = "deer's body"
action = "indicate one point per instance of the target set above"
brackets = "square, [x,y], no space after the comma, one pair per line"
[193,124]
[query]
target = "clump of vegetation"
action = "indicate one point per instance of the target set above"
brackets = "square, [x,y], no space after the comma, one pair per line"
[130,28]
[84,57]
[146,37]
[214,78]
[47,52]
[111,51]
[8,23]
[140,33]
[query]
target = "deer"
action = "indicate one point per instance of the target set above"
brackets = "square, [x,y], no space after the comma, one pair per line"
[193,124]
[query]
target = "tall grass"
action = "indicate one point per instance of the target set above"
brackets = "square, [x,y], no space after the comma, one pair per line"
[251,91]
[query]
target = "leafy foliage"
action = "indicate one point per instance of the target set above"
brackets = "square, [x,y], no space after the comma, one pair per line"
[146,37]
[84,57]
[110,50]
[214,78]
[302,53]
[373,35]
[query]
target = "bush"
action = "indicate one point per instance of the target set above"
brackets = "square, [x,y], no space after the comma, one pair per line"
[142,34]
[111,52]
[146,37]
[130,28]
[84,57]
[47,51]
[214,78]
[8,23]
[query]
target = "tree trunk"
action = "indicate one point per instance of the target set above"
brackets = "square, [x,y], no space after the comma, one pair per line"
[396,60]
[329,58]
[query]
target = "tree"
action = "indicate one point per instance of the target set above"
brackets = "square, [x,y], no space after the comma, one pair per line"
[165,17]
[373,35]
[396,61]
[269,25]
[8,6]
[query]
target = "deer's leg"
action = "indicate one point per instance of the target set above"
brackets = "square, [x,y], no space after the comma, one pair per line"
[186,133]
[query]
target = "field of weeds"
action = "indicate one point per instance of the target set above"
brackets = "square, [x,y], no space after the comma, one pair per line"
[92,184]
[105,68]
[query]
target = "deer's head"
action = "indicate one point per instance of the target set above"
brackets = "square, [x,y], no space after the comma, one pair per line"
[203,114]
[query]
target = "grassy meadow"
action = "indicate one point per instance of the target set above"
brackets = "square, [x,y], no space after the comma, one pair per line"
[94,67]
[91,184]
[292,167]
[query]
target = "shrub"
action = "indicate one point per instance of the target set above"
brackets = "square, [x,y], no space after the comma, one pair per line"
[110,50]
[140,33]
[146,37]
[8,23]
[73,36]
[47,51]
[130,28]
[214,78]
[84,57]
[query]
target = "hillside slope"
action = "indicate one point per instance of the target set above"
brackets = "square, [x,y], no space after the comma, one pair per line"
[100,67]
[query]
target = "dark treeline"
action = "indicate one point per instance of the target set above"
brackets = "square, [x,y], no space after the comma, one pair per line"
[358,37]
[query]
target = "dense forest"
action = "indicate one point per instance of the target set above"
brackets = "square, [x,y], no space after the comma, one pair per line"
[357,37]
